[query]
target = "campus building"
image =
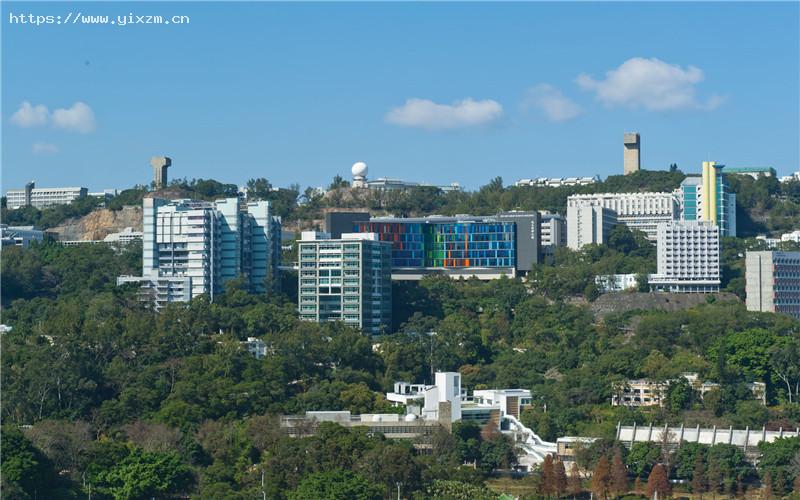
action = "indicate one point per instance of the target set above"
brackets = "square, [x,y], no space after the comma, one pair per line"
[190,248]
[557,181]
[688,258]
[20,236]
[588,224]
[708,198]
[486,247]
[639,211]
[552,232]
[43,197]
[346,279]
[773,282]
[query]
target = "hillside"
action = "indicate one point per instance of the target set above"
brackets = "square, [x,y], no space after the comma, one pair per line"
[98,224]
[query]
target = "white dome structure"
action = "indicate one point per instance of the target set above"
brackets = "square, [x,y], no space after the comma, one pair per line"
[359,171]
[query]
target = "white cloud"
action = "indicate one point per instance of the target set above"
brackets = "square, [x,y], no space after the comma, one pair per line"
[78,118]
[548,99]
[44,148]
[429,115]
[30,116]
[651,84]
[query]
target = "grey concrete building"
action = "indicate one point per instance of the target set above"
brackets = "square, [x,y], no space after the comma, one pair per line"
[631,159]
[773,282]
[160,165]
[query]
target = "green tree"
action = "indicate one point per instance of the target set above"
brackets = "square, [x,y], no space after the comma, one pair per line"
[142,475]
[335,485]
[642,457]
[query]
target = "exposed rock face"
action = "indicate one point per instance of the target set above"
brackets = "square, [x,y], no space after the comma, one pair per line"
[624,301]
[100,223]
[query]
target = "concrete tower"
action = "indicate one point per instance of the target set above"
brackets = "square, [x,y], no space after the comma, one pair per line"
[160,165]
[631,162]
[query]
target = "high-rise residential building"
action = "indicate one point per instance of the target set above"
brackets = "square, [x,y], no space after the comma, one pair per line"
[639,211]
[588,224]
[708,198]
[485,247]
[631,160]
[346,279]
[772,282]
[552,232]
[688,258]
[43,197]
[205,244]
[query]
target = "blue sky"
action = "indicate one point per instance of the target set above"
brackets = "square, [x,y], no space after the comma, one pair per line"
[427,92]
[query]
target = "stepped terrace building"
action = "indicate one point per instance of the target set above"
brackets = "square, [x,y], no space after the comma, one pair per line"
[486,247]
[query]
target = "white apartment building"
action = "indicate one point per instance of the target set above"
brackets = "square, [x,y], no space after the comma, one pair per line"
[20,236]
[42,197]
[127,235]
[346,279]
[557,181]
[772,282]
[587,224]
[688,258]
[638,211]
[208,243]
[552,232]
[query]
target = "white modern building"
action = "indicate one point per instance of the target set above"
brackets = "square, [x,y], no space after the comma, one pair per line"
[552,232]
[639,211]
[557,181]
[20,236]
[587,224]
[688,258]
[256,347]
[124,237]
[772,282]
[359,171]
[43,197]
[346,279]
[616,282]
[208,243]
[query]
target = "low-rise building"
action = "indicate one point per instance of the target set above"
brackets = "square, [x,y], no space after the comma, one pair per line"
[20,236]
[256,347]
[754,172]
[43,197]
[616,282]
[557,181]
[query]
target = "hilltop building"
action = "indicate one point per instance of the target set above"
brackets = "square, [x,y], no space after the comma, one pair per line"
[20,236]
[773,282]
[346,279]
[160,166]
[193,247]
[557,181]
[360,170]
[43,197]
[639,211]
[754,172]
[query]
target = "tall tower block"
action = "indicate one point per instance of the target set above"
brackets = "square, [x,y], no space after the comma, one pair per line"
[160,165]
[631,162]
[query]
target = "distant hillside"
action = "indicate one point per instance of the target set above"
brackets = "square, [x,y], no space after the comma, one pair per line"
[100,223]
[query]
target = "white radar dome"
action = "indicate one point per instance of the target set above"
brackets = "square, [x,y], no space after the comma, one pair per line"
[359,169]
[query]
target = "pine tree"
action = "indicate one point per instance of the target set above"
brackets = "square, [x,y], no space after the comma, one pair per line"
[547,486]
[767,486]
[601,478]
[658,483]
[574,481]
[559,478]
[619,475]
[699,476]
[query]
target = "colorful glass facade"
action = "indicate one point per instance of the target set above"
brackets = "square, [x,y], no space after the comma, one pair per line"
[447,244]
